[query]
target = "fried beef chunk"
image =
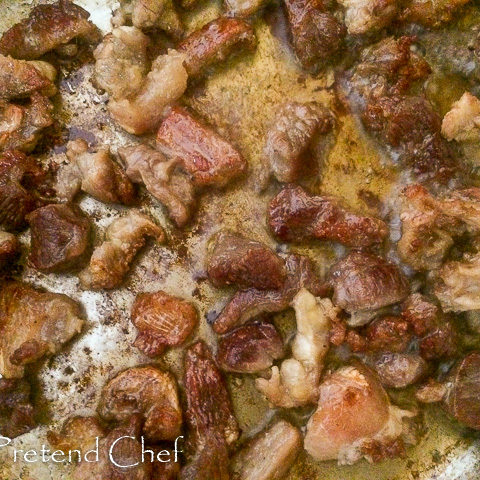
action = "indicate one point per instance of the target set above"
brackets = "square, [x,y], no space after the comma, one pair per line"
[367,16]
[269,455]
[388,334]
[204,154]
[246,304]
[19,178]
[162,178]
[210,419]
[296,382]
[111,260]
[236,260]
[250,348]
[215,42]
[294,139]
[162,321]
[363,283]
[9,249]
[95,173]
[77,433]
[33,324]
[60,237]
[431,13]
[295,215]
[147,391]
[462,122]
[46,28]
[16,411]
[354,418]
[317,36]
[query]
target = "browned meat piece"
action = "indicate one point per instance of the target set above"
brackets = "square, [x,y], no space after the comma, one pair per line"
[162,178]
[147,391]
[21,126]
[250,348]
[166,471]
[236,260]
[16,412]
[19,79]
[205,155]
[431,13]
[19,177]
[294,139]
[269,455]
[431,392]
[211,422]
[366,16]
[162,321]
[77,433]
[316,34]
[399,370]
[111,260]
[363,283]
[243,8]
[60,237]
[33,324]
[295,215]
[353,415]
[47,27]
[247,304]
[9,249]
[95,173]
[215,42]
[388,334]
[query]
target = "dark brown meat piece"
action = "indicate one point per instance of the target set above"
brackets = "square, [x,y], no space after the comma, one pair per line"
[250,348]
[247,304]
[317,35]
[9,249]
[215,42]
[295,215]
[211,422]
[47,27]
[206,156]
[363,283]
[16,411]
[388,334]
[60,237]
[19,177]
[399,370]
[294,139]
[162,321]
[431,13]
[149,392]
[236,260]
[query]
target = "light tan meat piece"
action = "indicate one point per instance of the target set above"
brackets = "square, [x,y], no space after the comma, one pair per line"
[162,178]
[366,16]
[243,8]
[462,122]
[33,324]
[95,173]
[111,260]
[296,382]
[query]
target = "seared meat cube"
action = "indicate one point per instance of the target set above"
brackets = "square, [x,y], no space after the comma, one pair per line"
[366,16]
[388,334]
[48,27]
[95,173]
[162,178]
[295,215]
[33,324]
[147,391]
[363,283]
[163,85]
[431,13]
[246,304]
[317,35]
[21,126]
[16,411]
[9,249]
[111,260]
[162,321]
[269,455]
[294,138]
[204,154]
[243,8]
[353,416]
[167,470]
[296,382]
[215,42]
[462,122]
[121,62]
[19,178]
[250,348]
[236,260]
[19,79]
[60,237]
